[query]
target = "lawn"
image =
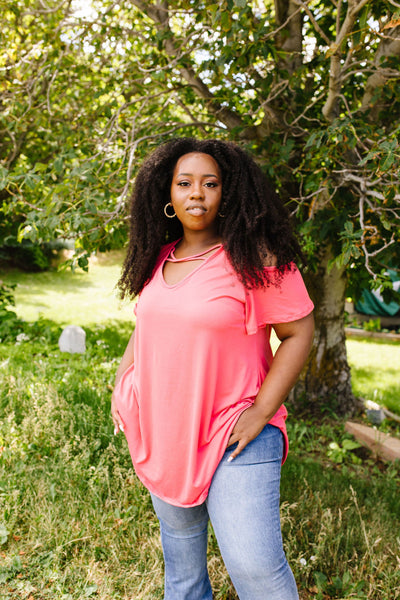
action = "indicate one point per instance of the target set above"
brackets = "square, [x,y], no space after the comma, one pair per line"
[375,368]
[75,522]
[72,298]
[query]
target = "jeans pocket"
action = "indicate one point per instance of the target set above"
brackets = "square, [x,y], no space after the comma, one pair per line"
[266,447]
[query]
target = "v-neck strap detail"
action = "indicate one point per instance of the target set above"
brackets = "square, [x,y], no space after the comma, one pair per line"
[201,255]
[201,259]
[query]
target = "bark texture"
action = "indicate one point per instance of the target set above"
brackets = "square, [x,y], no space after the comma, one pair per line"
[389,46]
[289,39]
[326,378]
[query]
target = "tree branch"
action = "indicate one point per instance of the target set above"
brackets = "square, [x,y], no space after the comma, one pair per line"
[335,74]
[367,253]
[313,20]
[389,46]
[159,15]
[288,15]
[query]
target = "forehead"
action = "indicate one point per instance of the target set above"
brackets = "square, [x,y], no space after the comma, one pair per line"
[194,162]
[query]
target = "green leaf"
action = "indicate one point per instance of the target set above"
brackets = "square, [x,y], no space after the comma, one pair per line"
[40,167]
[58,165]
[225,21]
[90,590]
[387,224]
[350,444]
[364,18]
[370,156]
[25,232]
[389,145]
[321,580]
[349,228]
[388,161]
[83,263]
[3,177]
[311,140]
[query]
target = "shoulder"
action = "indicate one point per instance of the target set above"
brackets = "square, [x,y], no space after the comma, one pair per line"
[169,246]
[165,250]
[162,255]
[278,274]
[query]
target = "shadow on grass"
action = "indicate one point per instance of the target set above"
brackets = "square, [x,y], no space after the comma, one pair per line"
[54,280]
[378,388]
[40,284]
[72,297]
[364,373]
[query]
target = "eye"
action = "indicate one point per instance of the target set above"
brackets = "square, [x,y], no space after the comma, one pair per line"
[183,183]
[211,184]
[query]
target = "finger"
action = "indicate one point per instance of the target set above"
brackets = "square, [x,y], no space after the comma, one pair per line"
[232,440]
[241,445]
[118,427]
[118,422]
[234,436]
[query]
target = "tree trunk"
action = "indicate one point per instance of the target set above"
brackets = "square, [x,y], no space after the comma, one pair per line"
[326,380]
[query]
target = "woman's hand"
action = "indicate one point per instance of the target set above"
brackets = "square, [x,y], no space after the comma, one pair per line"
[296,339]
[250,423]
[126,361]
[116,417]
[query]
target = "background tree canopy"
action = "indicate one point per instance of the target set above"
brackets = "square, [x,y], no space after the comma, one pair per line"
[311,89]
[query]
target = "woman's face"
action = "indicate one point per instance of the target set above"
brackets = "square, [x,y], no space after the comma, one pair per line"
[196,191]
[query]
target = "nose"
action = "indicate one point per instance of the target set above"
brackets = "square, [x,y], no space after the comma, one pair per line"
[197,190]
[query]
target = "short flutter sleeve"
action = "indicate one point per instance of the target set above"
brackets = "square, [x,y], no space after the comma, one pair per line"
[282,301]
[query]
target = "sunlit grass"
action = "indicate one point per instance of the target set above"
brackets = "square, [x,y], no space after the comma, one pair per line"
[375,368]
[72,297]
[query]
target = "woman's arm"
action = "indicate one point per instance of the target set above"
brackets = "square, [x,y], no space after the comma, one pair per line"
[126,361]
[296,340]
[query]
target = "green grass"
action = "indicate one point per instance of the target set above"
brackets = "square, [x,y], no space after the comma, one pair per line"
[72,298]
[76,523]
[375,371]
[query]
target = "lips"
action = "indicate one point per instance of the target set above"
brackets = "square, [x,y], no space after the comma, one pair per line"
[196,210]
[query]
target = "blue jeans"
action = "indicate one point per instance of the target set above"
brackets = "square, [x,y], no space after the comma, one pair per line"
[243,506]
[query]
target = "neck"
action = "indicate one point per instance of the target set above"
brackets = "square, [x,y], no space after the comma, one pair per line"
[198,241]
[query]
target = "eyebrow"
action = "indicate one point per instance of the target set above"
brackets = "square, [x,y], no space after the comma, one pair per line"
[191,175]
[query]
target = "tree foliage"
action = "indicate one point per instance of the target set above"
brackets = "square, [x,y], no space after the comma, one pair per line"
[310,87]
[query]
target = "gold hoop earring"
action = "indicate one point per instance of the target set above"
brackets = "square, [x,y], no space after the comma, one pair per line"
[166,211]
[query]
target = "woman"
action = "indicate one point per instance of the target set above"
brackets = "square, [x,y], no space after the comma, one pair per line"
[197,393]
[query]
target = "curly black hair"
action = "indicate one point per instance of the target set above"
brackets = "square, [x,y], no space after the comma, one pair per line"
[254,224]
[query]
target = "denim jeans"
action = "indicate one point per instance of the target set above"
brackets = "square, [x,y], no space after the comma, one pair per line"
[243,507]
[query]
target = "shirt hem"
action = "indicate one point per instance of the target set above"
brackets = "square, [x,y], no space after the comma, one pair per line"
[203,495]
[202,498]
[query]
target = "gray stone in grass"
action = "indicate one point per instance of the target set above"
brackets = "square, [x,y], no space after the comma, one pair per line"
[73,340]
[375,416]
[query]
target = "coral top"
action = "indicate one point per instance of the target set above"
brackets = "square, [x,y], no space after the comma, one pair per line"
[201,352]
